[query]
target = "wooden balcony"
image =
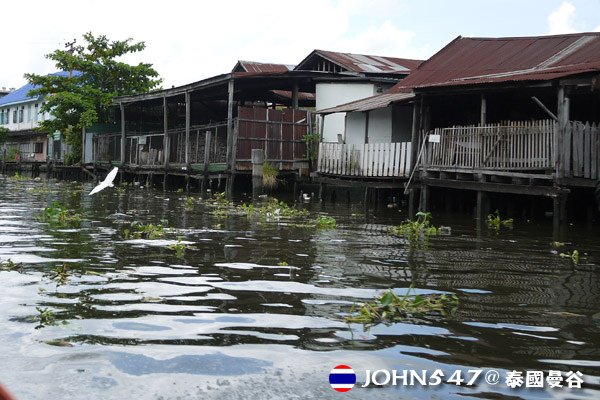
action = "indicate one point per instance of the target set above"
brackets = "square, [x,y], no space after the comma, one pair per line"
[376,160]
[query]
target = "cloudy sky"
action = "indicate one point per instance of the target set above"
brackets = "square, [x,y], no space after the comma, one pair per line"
[192,40]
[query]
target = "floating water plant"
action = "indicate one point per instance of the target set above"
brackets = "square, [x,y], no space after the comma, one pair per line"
[189,203]
[325,222]
[60,215]
[390,308]
[178,247]
[495,222]
[61,274]
[10,265]
[18,177]
[45,317]
[141,231]
[271,209]
[283,264]
[417,229]
[269,177]
[574,256]
[223,206]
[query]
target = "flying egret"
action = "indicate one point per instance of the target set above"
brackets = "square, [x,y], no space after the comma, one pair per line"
[107,182]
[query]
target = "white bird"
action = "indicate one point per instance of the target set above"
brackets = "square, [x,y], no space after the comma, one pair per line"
[107,182]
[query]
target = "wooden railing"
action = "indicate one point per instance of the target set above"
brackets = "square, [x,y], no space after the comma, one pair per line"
[511,146]
[365,160]
[581,149]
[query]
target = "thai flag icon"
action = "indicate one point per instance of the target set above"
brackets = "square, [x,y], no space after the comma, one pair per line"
[342,378]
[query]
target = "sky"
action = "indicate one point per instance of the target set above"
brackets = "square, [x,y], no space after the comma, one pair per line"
[187,41]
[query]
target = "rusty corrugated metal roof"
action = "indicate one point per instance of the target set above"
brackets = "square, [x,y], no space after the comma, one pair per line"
[362,63]
[369,103]
[470,61]
[253,66]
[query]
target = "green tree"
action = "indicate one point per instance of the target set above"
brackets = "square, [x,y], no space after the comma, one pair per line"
[3,134]
[96,76]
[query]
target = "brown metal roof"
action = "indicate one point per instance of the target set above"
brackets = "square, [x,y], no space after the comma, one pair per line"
[252,66]
[362,63]
[369,103]
[470,61]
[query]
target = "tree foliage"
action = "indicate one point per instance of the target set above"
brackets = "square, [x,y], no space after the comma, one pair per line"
[3,134]
[96,75]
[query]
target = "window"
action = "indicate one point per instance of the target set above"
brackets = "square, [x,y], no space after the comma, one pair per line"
[38,147]
[21,113]
[28,112]
[15,116]
[35,113]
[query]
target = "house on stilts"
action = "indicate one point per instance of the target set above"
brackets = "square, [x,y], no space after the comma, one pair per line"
[493,116]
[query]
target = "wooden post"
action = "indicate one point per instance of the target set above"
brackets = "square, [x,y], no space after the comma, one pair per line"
[207,139]
[482,208]
[230,89]
[165,141]
[563,120]
[123,139]
[366,127]
[258,159]
[559,217]
[424,200]
[82,146]
[483,116]
[187,129]
[411,204]
[414,138]
[295,95]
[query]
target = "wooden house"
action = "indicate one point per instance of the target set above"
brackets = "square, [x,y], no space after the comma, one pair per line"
[512,115]
[509,115]
[210,127]
[21,114]
[366,76]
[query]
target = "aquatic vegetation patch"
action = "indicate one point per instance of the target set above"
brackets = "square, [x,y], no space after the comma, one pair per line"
[325,222]
[18,177]
[420,228]
[144,231]
[223,206]
[178,247]
[10,265]
[57,214]
[269,177]
[389,307]
[495,222]
[45,317]
[272,209]
[189,203]
[574,256]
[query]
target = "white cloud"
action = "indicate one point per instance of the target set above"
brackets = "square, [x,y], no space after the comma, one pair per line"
[562,20]
[189,41]
[597,29]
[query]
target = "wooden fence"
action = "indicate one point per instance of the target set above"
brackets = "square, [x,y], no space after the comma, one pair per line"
[107,147]
[278,132]
[581,149]
[365,160]
[509,146]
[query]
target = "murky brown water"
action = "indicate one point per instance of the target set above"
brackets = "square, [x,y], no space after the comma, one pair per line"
[227,321]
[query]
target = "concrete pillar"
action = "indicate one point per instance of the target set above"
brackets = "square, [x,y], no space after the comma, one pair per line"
[258,159]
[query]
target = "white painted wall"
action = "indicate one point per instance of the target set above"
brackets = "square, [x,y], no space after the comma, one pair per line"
[380,125]
[355,127]
[334,94]
[29,118]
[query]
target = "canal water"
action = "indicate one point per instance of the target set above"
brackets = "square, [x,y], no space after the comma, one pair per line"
[255,308]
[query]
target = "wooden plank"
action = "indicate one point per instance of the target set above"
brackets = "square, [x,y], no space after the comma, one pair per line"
[389,168]
[587,151]
[407,156]
[593,152]
[364,160]
[370,159]
[399,149]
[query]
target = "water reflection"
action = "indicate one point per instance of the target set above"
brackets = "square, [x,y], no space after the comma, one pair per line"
[246,283]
